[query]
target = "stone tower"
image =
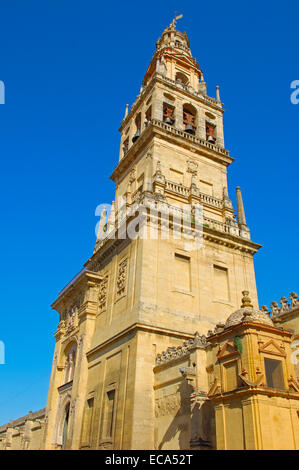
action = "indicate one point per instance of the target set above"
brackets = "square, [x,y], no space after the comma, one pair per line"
[150,284]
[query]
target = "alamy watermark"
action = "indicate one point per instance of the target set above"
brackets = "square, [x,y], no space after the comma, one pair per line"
[295,94]
[2,353]
[150,219]
[2,92]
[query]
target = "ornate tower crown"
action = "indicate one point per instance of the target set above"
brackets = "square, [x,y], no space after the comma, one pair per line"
[173,58]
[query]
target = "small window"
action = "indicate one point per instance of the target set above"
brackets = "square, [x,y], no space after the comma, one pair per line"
[274,373]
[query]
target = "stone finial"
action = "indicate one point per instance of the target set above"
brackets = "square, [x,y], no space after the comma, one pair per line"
[240,207]
[294,299]
[217,94]
[111,221]
[193,181]
[284,304]
[158,176]
[102,224]
[246,301]
[159,170]
[274,308]
[126,111]
[199,340]
[148,184]
[265,309]
[218,328]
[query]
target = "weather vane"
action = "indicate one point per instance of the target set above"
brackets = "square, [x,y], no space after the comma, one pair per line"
[176,17]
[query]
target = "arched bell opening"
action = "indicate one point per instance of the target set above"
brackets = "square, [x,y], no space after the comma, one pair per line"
[210,132]
[148,116]
[168,114]
[189,118]
[125,146]
[138,127]
[181,78]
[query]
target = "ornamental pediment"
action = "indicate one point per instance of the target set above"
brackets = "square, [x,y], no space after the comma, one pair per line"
[272,347]
[181,57]
[228,350]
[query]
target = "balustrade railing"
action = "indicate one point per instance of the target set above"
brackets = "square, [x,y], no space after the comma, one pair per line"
[192,138]
[127,211]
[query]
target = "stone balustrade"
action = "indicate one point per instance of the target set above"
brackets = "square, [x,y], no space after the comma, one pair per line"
[184,191]
[128,211]
[192,138]
[177,188]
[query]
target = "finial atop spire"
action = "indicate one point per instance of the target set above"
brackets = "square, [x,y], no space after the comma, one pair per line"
[127,110]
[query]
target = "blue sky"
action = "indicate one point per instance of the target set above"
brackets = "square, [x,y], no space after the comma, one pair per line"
[69,68]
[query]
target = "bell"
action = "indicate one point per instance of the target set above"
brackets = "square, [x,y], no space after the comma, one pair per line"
[189,129]
[168,120]
[210,139]
[136,136]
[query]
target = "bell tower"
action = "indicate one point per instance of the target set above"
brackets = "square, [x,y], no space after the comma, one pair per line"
[148,286]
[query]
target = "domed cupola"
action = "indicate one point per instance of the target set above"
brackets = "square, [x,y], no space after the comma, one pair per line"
[247,313]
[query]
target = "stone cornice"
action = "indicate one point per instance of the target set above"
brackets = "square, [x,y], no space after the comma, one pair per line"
[209,234]
[134,328]
[245,325]
[20,421]
[84,277]
[65,387]
[253,390]
[231,241]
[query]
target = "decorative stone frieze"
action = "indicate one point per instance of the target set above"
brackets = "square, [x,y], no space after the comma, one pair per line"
[122,279]
[103,293]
